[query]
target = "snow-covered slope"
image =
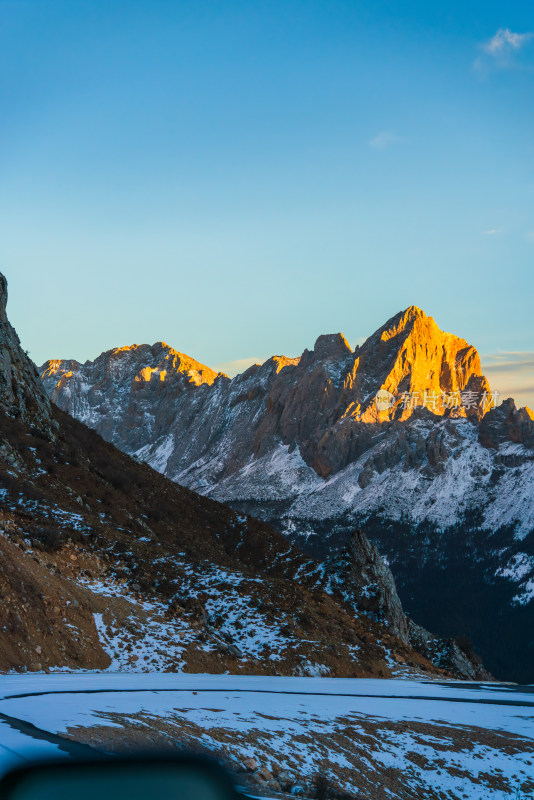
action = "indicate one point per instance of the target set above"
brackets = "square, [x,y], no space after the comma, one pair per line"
[499,481]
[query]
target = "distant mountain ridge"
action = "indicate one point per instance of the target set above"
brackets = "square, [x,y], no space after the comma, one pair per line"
[124,377]
[323,402]
[304,444]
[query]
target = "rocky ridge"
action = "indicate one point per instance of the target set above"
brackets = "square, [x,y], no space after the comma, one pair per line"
[322,403]
[132,378]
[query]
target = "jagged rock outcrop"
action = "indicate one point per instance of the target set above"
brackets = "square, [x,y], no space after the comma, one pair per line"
[363,578]
[22,395]
[507,424]
[450,654]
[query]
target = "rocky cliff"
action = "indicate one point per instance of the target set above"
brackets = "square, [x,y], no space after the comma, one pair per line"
[303,444]
[363,578]
[22,395]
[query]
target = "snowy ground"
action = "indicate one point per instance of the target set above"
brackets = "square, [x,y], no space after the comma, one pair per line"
[371,738]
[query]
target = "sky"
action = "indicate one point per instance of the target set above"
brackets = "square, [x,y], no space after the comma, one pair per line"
[236,178]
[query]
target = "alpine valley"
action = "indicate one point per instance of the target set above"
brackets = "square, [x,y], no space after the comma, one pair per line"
[443,485]
[107,565]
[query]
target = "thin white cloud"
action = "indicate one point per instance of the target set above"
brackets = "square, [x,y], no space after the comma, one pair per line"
[505,40]
[233,368]
[491,232]
[383,140]
[499,51]
[508,359]
[530,236]
[511,373]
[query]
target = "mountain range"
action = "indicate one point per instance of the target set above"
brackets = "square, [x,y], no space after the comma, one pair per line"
[401,437]
[106,564]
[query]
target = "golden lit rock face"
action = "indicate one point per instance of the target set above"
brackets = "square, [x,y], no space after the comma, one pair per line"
[167,365]
[416,358]
[170,363]
[283,361]
[327,402]
[53,365]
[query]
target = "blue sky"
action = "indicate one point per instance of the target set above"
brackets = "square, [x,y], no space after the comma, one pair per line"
[237,178]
